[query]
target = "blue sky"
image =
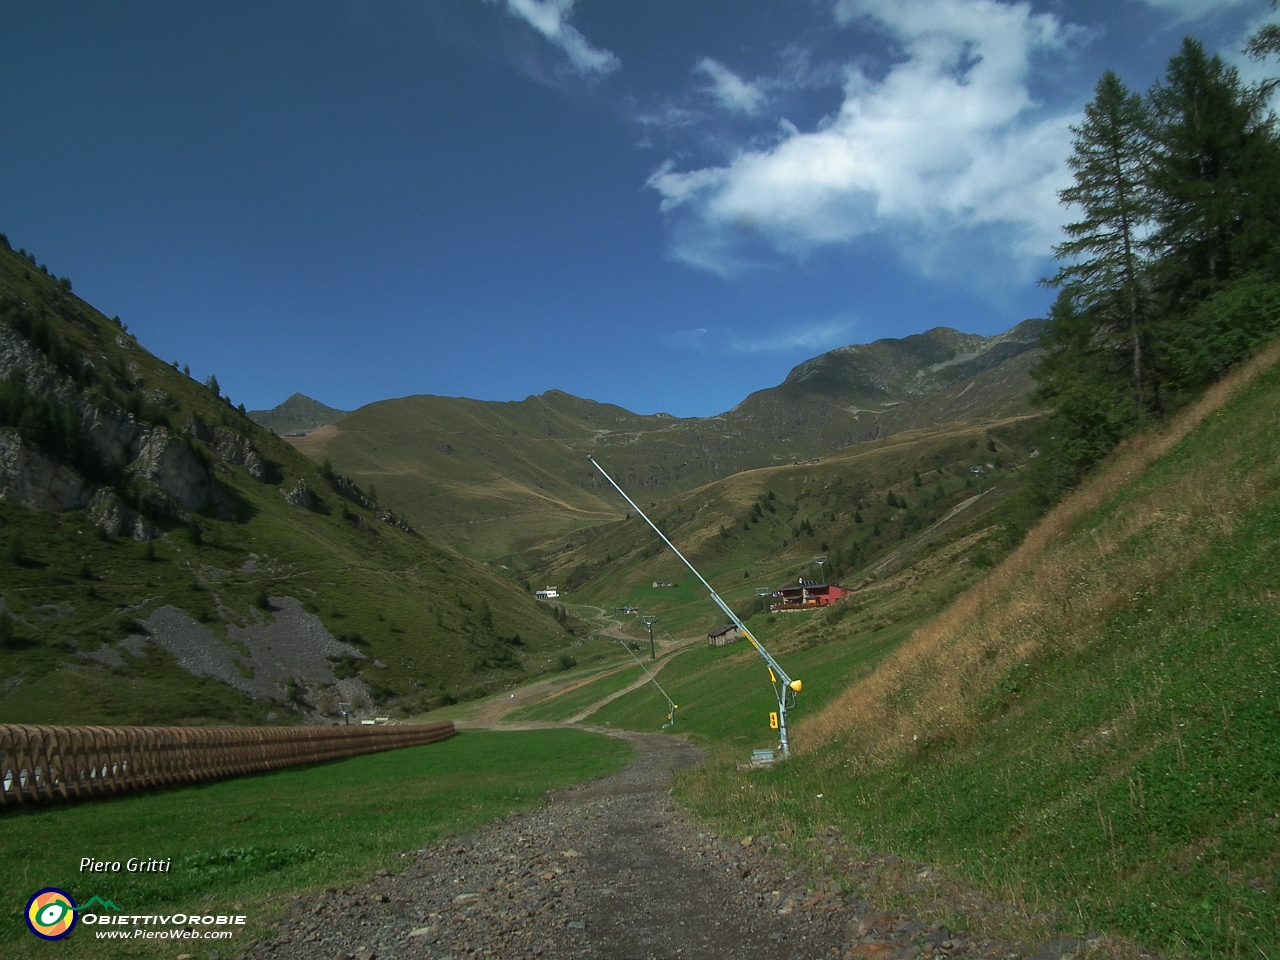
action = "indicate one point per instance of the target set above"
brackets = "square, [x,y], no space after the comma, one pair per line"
[663,204]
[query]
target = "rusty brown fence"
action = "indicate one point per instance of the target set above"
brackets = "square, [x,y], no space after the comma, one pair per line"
[39,763]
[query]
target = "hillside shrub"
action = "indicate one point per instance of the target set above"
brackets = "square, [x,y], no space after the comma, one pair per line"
[1221,331]
[345,667]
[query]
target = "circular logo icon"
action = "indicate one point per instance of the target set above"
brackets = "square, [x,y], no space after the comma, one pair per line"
[51,913]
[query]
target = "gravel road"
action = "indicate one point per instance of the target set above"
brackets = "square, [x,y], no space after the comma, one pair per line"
[614,870]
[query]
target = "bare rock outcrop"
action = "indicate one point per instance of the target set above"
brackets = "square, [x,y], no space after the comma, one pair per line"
[117,519]
[116,437]
[170,464]
[300,496]
[30,478]
[261,657]
[229,446]
[18,358]
[176,480]
[238,450]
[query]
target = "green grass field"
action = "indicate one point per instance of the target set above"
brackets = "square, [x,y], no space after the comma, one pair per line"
[724,695]
[247,844]
[577,699]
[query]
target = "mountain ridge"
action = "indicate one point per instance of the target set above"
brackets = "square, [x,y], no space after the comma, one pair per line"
[496,477]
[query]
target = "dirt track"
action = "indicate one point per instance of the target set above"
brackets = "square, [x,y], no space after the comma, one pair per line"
[613,870]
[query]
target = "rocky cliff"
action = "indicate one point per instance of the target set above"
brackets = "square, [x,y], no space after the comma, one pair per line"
[78,431]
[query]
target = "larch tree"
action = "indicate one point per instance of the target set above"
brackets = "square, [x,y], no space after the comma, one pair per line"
[1105,252]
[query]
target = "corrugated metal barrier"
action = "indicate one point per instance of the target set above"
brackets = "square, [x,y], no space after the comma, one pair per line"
[39,763]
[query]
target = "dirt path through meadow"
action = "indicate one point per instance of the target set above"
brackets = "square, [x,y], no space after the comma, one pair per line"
[612,870]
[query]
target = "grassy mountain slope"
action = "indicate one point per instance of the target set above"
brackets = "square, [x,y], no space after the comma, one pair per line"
[462,468]
[107,440]
[497,478]
[904,520]
[1090,731]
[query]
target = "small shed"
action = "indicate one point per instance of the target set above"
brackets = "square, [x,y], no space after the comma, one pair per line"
[723,636]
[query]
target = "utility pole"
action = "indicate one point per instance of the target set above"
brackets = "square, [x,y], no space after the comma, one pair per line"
[649,622]
[820,561]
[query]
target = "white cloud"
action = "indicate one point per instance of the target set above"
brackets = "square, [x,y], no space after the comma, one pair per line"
[696,339]
[947,145]
[551,19]
[670,117]
[811,339]
[807,339]
[733,93]
[1191,10]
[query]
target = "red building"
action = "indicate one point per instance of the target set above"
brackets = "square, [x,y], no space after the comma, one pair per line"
[806,596]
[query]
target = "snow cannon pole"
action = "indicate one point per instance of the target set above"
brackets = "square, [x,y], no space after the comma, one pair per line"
[784,688]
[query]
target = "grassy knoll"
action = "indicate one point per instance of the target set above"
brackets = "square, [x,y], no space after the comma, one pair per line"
[1093,729]
[245,844]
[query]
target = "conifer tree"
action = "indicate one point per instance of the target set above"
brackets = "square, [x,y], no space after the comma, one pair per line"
[1082,384]
[1213,177]
[1104,275]
[1171,273]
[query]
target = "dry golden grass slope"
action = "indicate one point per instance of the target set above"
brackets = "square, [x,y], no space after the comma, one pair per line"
[1057,588]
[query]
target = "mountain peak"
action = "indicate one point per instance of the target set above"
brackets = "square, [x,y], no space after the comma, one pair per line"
[298,414]
[903,369]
